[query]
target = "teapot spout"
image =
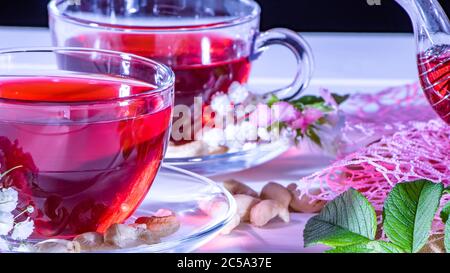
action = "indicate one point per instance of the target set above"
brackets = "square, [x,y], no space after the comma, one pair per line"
[429,20]
[432,31]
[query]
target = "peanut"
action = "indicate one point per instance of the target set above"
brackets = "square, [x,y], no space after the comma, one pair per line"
[244,205]
[90,241]
[278,193]
[58,246]
[213,207]
[123,236]
[267,210]
[305,204]
[147,236]
[237,187]
[160,226]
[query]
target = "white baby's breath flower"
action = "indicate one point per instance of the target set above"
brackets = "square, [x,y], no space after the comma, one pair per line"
[237,135]
[237,93]
[6,222]
[8,199]
[247,132]
[30,209]
[230,132]
[221,104]
[23,230]
[4,246]
[264,134]
[214,137]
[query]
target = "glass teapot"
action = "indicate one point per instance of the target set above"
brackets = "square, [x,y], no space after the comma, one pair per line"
[432,32]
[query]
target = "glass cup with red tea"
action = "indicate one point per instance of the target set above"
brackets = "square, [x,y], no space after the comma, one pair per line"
[209,44]
[88,128]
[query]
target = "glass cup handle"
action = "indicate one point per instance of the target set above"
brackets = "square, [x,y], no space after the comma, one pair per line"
[303,54]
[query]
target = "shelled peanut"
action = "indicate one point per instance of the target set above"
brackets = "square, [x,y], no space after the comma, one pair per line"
[145,231]
[274,201]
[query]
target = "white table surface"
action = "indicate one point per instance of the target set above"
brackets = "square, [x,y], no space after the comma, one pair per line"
[345,63]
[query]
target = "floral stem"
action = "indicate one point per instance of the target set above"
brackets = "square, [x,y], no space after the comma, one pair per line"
[28,209]
[9,171]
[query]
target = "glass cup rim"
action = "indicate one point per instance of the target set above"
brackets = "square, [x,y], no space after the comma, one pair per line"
[254,14]
[168,84]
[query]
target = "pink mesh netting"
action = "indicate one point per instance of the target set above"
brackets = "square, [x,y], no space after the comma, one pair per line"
[372,116]
[399,139]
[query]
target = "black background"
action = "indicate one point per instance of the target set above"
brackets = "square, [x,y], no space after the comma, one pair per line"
[300,15]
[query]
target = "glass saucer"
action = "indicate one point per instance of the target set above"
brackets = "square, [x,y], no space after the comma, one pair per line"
[212,165]
[189,195]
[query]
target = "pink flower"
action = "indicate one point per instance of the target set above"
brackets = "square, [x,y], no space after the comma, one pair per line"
[310,116]
[300,124]
[285,112]
[262,116]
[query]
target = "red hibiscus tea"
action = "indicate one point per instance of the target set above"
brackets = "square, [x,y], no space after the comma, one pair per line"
[83,168]
[434,70]
[203,64]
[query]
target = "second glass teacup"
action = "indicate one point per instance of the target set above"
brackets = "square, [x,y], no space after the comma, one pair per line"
[209,44]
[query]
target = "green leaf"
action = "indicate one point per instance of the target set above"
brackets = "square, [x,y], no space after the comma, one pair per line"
[369,247]
[272,100]
[445,212]
[308,100]
[409,211]
[314,136]
[278,125]
[347,220]
[340,99]
[321,106]
[447,237]
[318,102]
[299,106]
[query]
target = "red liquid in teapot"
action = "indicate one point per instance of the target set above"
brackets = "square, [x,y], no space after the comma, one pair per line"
[434,71]
[203,64]
[80,176]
